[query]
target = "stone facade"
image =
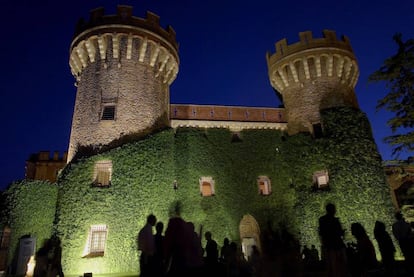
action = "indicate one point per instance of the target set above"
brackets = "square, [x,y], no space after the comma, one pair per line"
[124,63]
[43,166]
[127,63]
[311,75]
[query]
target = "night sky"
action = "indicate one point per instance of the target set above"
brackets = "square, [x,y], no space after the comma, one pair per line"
[222,58]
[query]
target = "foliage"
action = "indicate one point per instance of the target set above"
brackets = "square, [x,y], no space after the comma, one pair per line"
[31,209]
[144,172]
[398,73]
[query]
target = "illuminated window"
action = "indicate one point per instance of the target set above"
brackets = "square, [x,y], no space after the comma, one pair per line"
[102,174]
[96,240]
[108,112]
[263,185]
[321,179]
[206,186]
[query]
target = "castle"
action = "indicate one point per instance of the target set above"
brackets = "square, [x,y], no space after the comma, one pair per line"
[236,171]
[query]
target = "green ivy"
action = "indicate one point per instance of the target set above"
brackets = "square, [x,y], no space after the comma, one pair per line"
[144,172]
[31,211]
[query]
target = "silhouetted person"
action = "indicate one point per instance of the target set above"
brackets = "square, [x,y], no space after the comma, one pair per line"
[236,261]
[386,247]
[225,251]
[291,255]
[177,246]
[211,251]
[42,259]
[333,247]
[403,233]
[56,262]
[314,255]
[365,251]
[159,265]
[146,244]
[255,261]
[195,255]
[306,254]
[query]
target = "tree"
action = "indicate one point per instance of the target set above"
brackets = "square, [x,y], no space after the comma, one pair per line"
[398,73]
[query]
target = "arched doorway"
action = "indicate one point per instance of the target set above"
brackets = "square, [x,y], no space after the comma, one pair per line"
[249,235]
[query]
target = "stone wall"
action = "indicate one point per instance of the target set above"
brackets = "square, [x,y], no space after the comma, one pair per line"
[311,75]
[126,63]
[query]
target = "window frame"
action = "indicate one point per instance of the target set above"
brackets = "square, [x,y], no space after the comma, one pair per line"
[113,112]
[266,183]
[317,175]
[209,180]
[102,167]
[97,238]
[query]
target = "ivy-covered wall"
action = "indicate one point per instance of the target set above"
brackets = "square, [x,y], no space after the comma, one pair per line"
[31,209]
[144,172]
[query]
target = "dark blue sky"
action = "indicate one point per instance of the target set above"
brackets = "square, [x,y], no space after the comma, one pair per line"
[222,58]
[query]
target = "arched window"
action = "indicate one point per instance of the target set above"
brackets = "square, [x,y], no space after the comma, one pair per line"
[264,185]
[206,186]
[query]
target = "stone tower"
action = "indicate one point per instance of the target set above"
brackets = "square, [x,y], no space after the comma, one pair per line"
[123,67]
[311,75]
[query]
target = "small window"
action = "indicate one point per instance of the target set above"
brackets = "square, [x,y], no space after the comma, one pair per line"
[263,185]
[206,186]
[96,240]
[317,130]
[108,112]
[321,179]
[102,174]
[235,137]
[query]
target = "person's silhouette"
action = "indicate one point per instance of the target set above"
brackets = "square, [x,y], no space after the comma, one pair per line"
[386,247]
[159,265]
[146,244]
[333,247]
[365,251]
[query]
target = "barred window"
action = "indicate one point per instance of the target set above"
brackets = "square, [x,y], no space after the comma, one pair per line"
[264,185]
[96,240]
[102,173]
[206,186]
[321,179]
[108,112]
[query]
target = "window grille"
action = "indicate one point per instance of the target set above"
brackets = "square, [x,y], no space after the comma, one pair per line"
[321,179]
[97,240]
[108,113]
[103,173]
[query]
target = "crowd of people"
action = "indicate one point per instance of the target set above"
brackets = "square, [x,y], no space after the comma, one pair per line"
[181,251]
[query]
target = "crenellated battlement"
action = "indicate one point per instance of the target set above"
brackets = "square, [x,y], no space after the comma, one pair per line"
[312,58]
[124,37]
[124,17]
[307,41]
[311,75]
